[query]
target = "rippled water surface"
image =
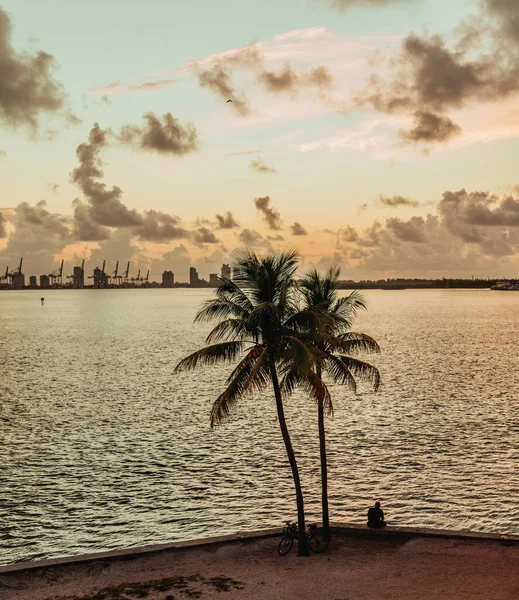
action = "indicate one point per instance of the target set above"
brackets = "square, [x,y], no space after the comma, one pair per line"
[102,446]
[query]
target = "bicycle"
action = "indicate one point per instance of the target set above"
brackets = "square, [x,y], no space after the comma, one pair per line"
[313,535]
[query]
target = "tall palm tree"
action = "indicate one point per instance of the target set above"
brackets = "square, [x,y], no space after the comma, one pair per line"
[258,314]
[337,343]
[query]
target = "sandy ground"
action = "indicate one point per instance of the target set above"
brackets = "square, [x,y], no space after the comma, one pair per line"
[354,568]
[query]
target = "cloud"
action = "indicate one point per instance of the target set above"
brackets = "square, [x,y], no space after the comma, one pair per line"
[218,80]
[54,187]
[84,227]
[159,227]
[3,230]
[203,236]
[429,127]
[298,229]
[395,201]
[27,85]
[288,80]
[118,87]
[270,215]
[275,238]
[104,205]
[259,166]
[253,239]
[428,78]
[38,236]
[412,230]
[227,221]
[348,234]
[164,135]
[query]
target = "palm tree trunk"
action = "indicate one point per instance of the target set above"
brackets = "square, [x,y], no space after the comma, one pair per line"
[324,473]
[302,547]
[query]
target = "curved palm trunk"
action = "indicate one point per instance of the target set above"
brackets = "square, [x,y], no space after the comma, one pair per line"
[302,547]
[324,472]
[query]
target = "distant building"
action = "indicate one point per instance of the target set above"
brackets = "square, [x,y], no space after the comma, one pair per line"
[214,280]
[193,277]
[18,281]
[226,271]
[33,281]
[168,279]
[100,278]
[44,281]
[78,277]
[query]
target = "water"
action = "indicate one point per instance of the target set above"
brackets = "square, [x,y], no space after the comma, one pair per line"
[103,447]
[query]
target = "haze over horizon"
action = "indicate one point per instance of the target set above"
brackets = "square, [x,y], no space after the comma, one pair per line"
[378,135]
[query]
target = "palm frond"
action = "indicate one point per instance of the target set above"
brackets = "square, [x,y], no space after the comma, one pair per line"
[353,343]
[351,304]
[310,384]
[211,355]
[220,308]
[250,375]
[339,372]
[233,329]
[361,370]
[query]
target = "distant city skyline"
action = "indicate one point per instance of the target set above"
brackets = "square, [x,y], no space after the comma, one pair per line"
[377,136]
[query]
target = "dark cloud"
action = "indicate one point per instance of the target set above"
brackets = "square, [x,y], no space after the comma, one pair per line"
[227,221]
[298,229]
[164,135]
[253,239]
[271,216]
[85,228]
[218,80]
[203,236]
[27,85]
[288,80]
[3,230]
[258,165]
[430,127]
[429,78]
[395,201]
[159,227]
[275,238]
[104,205]
[38,236]
[412,230]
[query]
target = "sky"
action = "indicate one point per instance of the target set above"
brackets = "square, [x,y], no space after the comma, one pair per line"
[381,136]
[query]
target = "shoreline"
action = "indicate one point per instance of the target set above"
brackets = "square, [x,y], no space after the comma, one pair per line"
[342,529]
[395,563]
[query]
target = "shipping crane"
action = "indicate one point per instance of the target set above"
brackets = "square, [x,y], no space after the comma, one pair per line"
[145,281]
[135,280]
[99,276]
[5,278]
[114,276]
[14,278]
[125,276]
[78,276]
[56,277]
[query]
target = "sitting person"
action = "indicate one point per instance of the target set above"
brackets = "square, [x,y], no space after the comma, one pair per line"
[376,516]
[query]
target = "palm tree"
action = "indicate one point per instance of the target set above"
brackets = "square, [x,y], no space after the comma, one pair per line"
[336,343]
[258,314]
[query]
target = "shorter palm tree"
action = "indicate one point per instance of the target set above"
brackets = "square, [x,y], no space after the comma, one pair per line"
[337,343]
[258,314]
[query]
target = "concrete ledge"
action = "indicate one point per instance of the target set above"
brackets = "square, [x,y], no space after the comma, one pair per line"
[338,528]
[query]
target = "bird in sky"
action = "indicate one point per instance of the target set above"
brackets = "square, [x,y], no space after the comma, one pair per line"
[228,101]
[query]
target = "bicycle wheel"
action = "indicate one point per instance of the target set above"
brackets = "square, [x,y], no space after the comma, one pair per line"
[285,545]
[316,543]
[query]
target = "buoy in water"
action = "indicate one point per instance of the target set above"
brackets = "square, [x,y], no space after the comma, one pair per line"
[42,301]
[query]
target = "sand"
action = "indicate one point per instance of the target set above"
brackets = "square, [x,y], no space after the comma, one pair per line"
[354,568]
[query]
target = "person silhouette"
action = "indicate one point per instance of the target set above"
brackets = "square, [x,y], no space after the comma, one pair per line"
[376,516]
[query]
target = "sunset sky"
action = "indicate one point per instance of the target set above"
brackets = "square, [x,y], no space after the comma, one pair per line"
[379,135]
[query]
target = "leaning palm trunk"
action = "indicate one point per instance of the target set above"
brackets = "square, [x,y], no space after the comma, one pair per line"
[302,547]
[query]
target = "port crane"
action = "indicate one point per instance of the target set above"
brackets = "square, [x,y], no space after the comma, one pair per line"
[10,276]
[5,277]
[136,279]
[114,277]
[56,277]
[126,273]
[99,280]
